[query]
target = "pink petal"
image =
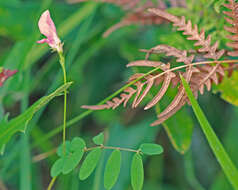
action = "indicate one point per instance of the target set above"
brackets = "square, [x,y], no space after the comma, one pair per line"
[47,28]
[42,41]
[46,25]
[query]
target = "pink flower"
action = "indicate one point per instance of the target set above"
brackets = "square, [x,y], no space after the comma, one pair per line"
[48,29]
[5,74]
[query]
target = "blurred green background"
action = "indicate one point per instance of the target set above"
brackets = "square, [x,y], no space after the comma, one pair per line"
[97,66]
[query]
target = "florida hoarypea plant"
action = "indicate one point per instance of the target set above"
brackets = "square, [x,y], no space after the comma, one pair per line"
[71,152]
[212,70]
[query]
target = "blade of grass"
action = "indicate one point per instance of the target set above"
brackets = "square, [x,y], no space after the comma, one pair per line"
[224,160]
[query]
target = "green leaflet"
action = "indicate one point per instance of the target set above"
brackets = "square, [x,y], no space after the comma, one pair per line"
[229,88]
[57,167]
[99,139]
[137,172]
[19,123]
[60,149]
[90,163]
[151,149]
[112,169]
[70,159]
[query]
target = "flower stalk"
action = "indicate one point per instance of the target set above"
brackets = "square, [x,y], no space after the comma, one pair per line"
[62,63]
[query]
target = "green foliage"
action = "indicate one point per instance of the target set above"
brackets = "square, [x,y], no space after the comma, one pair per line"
[90,163]
[137,172]
[218,5]
[112,169]
[57,167]
[72,152]
[229,89]
[75,155]
[99,139]
[151,149]
[70,155]
[218,149]
[8,129]
[97,67]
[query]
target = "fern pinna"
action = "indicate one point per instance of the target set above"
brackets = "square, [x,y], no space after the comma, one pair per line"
[198,74]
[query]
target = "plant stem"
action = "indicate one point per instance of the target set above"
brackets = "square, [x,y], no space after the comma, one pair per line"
[112,148]
[62,63]
[51,183]
[43,156]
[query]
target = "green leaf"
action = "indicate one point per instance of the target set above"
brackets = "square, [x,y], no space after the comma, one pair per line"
[151,149]
[112,169]
[74,156]
[7,129]
[77,143]
[99,139]
[72,160]
[57,167]
[90,163]
[134,136]
[216,146]
[229,88]
[137,172]
[61,148]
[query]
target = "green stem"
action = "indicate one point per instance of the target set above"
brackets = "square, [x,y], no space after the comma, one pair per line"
[51,183]
[62,63]
[224,160]
[112,148]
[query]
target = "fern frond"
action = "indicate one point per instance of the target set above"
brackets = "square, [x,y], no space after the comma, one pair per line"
[170,51]
[233,20]
[210,51]
[198,75]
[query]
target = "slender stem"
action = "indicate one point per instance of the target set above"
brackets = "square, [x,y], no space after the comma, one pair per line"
[62,63]
[194,64]
[122,149]
[51,183]
[43,156]
[112,148]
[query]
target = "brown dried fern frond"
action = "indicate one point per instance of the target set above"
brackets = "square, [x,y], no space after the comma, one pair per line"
[233,20]
[136,12]
[198,74]
[209,50]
